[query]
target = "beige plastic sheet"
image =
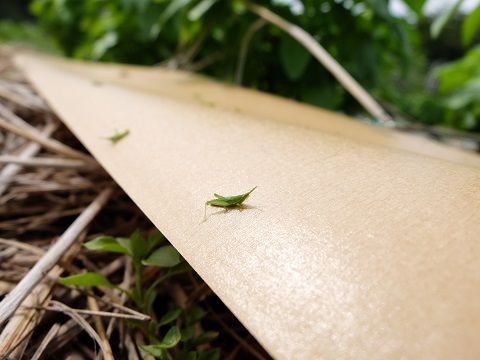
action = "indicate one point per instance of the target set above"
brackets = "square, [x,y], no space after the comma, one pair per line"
[359,243]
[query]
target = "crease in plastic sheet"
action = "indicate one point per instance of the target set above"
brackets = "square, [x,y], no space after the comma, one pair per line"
[350,247]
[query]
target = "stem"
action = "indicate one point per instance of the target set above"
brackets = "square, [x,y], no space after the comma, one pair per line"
[139,283]
[165,277]
[242,57]
[327,60]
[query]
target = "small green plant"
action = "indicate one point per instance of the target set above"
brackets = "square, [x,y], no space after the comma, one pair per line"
[178,326]
[118,135]
[227,201]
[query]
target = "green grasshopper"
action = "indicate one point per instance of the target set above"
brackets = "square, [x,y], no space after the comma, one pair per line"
[227,201]
[118,135]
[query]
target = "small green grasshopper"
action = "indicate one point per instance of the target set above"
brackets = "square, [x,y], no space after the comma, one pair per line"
[118,135]
[227,201]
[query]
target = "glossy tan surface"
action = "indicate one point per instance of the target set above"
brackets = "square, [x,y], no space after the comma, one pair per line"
[350,248]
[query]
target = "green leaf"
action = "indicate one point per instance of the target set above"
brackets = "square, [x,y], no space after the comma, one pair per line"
[126,243]
[194,314]
[188,332]
[171,338]
[416,5]
[205,338]
[200,9]
[178,269]
[469,120]
[191,355]
[325,96]
[380,7]
[442,20]
[107,41]
[170,316]
[135,296]
[470,26]
[108,244]
[294,57]
[149,299]
[456,74]
[238,7]
[138,246]
[154,350]
[166,256]
[173,7]
[467,94]
[212,354]
[155,239]
[86,279]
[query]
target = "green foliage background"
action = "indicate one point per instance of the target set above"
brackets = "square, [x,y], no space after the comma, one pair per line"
[386,54]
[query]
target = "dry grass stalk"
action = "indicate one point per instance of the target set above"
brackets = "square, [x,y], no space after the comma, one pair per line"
[131,348]
[26,317]
[111,300]
[16,120]
[21,99]
[51,257]
[24,246]
[322,55]
[66,332]
[55,163]
[107,350]
[9,171]
[127,280]
[46,340]
[26,93]
[47,143]
[99,313]
[82,322]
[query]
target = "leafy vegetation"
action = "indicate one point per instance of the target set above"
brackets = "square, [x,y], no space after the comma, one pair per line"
[25,33]
[460,87]
[176,330]
[459,81]
[204,35]
[388,55]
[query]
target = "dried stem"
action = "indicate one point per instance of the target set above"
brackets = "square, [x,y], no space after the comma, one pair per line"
[332,65]
[53,255]
[9,171]
[107,349]
[47,143]
[45,162]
